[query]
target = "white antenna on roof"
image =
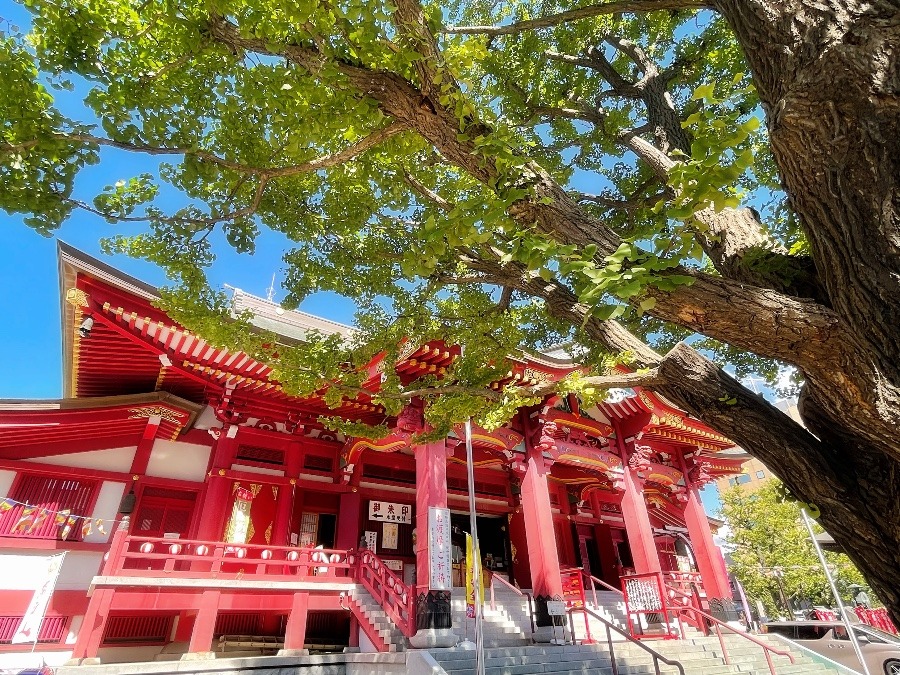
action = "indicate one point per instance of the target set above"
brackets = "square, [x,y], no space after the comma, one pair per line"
[270,292]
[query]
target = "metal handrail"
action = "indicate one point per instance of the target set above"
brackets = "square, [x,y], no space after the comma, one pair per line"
[716,623]
[594,580]
[657,657]
[518,591]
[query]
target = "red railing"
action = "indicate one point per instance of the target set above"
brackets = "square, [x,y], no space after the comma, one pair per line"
[684,602]
[192,559]
[645,595]
[396,598]
[877,618]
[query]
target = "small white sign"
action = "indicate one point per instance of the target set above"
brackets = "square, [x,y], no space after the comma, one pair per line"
[371,541]
[389,532]
[439,567]
[556,608]
[395,565]
[389,512]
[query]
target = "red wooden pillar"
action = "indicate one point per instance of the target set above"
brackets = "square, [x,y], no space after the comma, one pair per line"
[284,511]
[565,536]
[546,583]
[709,558]
[634,512]
[87,644]
[204,625]
[434,620]
[295,631]
[349,509]
[217,497]
[93,626]
[518,541]
[348,520]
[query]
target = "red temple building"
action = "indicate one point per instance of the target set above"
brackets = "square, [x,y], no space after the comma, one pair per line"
[195,499]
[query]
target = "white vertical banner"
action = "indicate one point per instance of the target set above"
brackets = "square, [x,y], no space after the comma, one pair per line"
[439,549]
[31,623]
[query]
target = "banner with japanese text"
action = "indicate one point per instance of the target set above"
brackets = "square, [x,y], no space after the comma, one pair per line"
[30,626]
[439,565]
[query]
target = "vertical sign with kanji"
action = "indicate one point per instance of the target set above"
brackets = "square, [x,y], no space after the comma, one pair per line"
[439,549]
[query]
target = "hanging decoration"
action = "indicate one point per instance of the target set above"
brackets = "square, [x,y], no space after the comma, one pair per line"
[32,517]
[26,516]
[68,527]
[38,520]
[239,523]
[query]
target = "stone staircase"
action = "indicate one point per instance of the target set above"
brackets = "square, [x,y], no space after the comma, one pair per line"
[507,626]
[611,606]
[371,610]
[698,656]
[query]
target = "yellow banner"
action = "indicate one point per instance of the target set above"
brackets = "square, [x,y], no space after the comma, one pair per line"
[470,578]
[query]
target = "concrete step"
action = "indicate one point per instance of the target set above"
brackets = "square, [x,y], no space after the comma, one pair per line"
[631,660]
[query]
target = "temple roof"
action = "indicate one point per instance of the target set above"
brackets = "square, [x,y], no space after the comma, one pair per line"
[133,347]
[43,428]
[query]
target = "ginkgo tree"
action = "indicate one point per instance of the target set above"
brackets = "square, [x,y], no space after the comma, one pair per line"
[772,555]
[629,177]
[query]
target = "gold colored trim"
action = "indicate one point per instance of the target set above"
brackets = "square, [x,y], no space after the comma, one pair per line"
[77,298]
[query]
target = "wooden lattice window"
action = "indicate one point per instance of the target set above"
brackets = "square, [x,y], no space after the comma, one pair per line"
[142,629]
[163,510]
[52,628]
[46,497]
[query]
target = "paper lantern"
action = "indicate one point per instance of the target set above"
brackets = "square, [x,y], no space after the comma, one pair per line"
[175,549]
[147,547]
[293,556]
[266,554]
[202,549]
[240,553]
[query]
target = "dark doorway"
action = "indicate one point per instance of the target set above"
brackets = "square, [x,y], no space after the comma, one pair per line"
[493,539]
[592,565]
[624,551]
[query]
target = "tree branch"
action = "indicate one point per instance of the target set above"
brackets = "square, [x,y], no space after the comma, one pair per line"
[323,162]
[615,7]
[549,208]
[426,192]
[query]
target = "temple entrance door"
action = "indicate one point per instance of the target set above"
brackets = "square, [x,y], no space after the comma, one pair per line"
[591,557]
[493,536]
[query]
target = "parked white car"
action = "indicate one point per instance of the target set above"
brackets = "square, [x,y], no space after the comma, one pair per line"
[830,639]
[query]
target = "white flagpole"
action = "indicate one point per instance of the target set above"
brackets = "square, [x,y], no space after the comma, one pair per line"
[476,556]
[837,596]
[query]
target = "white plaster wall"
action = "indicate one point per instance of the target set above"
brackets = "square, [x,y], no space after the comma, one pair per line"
[114,459]
[25,570]
[6,480]
[107,509]
[207,419]
[74,627]
[173,459]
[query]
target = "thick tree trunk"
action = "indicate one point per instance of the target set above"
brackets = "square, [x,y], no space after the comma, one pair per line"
[854,485]
[828,74]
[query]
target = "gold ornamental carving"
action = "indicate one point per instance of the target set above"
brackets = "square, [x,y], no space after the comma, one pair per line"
[537,375]
[77,297]
[156,411]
